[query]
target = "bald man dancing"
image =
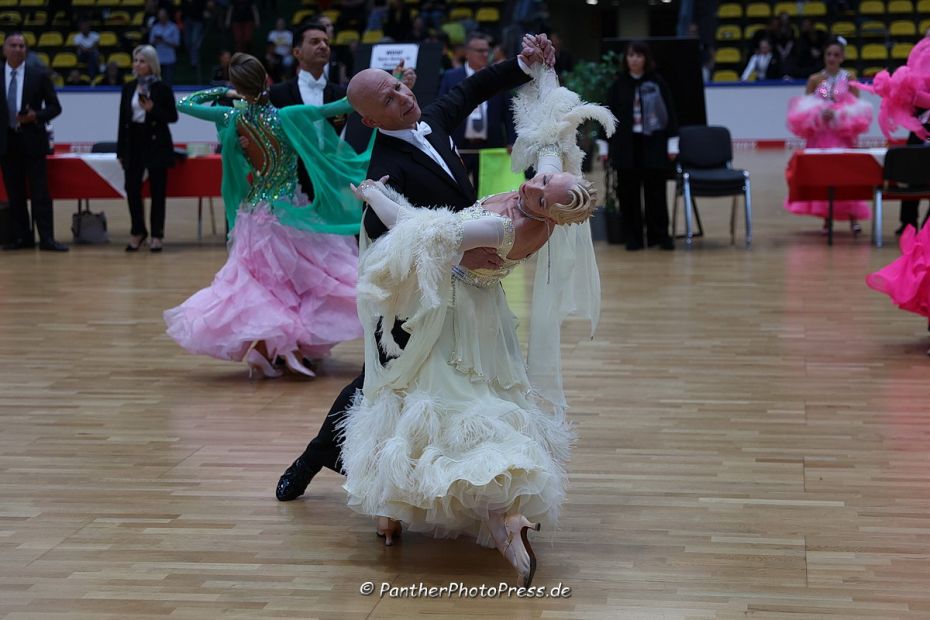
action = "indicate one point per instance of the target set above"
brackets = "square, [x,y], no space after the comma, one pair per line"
[414,148]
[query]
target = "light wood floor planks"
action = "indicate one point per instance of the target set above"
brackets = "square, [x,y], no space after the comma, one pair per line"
[754,441]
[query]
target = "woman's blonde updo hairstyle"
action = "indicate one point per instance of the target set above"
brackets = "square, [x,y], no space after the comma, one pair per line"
[581,206]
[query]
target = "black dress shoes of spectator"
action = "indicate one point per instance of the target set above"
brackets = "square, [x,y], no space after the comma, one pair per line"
[20,244]
[53,246]
[295,479]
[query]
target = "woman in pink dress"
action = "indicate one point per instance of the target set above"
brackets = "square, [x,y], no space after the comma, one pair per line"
[830,115]
[905,100]
[287,289]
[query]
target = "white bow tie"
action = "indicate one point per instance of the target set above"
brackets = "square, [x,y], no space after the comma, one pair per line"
[311,83]
[422,130]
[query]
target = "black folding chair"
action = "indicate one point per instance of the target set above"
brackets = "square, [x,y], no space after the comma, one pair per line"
[705,169]
[907,176]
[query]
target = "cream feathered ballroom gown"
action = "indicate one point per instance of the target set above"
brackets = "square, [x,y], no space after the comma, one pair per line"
[452,429]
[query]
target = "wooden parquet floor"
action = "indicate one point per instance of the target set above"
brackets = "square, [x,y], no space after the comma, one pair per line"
[754,441]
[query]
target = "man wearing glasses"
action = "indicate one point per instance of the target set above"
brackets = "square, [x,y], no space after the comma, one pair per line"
[490,125]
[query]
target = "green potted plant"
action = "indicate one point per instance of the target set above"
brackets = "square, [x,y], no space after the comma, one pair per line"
[592,80]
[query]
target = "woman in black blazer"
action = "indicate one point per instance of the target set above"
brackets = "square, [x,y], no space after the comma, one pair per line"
[640,149]
[144,142]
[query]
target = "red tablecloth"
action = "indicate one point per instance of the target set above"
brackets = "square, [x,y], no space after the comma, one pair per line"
[854,176]
[71,178]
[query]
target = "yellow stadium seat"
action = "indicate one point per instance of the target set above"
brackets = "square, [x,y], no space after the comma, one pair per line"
[730,10]
[8,3]
[372,36]
[57,80]
[758,9]
[923,7]
[118,18]
[924,25]
[122,60]
[108,39]
[138,18]
[332,14]
[70,40]
[32,3]
[843,29]
[729,32]
[50,39]
[851,52]
[900,51]
[727,55]
[726,76]
[872,29]
[459,13]
[455,31]
[488,15]
[814,9]
[871,71]
[39,18]
[30,38]
[64,60]
[43,58]
[791,8]
[83,3]
[903,28]
[345,37]
[10,18]
[874,51]
[132,3]
[300,16]
[752,29]
[871,7]
[900,7]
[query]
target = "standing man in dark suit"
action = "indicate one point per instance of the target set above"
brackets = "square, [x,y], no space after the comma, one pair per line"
[312,86]
[910,209]
[27,102]
[490,124]
[415,150]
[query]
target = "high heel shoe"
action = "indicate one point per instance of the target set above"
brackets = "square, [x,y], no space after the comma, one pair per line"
[388,529]
[258,364]
[155,245]
[855,227]
[518,544]
[293,364]
[135,242]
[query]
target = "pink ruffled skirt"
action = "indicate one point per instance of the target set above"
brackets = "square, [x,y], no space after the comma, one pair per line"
[292,289]
[852,117]
[907,281]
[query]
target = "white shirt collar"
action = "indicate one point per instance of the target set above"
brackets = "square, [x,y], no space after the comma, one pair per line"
[307,79]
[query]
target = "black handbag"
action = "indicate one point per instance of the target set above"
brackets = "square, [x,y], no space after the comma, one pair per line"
[89,228]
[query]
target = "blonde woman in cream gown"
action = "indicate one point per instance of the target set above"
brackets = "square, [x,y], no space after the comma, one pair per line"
[457,434]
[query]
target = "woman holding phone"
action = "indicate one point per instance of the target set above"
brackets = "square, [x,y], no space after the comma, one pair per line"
[144,143]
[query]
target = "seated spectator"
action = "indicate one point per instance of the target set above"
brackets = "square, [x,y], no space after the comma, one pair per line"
[398,24]
[242,19]
[76,79]
[376,15]
[808,53]
[283,40]
[112,76]
[784,40]
[433,12]
[763,63]
[87,42]
[273,63]
[220,72]
[165,37]
[769,32]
